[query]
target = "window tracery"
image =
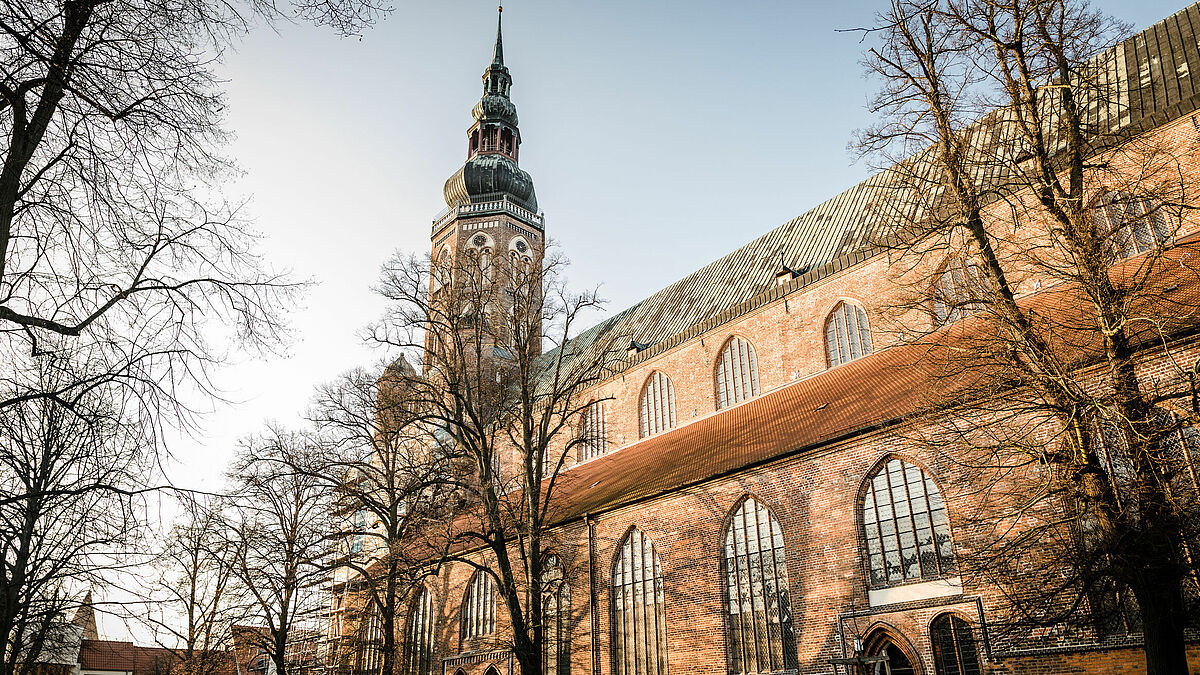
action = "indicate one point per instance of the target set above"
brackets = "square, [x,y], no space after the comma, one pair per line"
[1130,224]
[736,373]
[847,334]
[639,620]
[958,290]
[657,405]
[418,638]
[479,607]
[556,605]
[593,432]
[760,618]
[905,525]
[954,650]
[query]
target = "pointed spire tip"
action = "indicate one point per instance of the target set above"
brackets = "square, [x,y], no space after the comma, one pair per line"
[498,52]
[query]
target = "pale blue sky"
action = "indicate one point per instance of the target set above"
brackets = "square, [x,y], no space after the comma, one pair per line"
[659,136]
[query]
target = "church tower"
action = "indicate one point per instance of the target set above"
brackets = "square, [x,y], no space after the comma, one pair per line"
[491,220]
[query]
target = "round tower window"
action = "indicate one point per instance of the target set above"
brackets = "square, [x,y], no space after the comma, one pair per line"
[522,246]
[479,240]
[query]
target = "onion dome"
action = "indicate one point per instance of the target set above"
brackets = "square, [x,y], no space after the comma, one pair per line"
[495,108]
[487,177]
[491,172]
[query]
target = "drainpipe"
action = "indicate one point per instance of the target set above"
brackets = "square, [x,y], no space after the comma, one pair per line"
[592,600]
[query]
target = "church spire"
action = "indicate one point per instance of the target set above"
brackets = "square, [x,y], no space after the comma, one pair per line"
[494,142]
[498,52]
[496,80]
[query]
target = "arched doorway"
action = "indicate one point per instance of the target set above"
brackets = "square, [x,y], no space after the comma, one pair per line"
[901,657]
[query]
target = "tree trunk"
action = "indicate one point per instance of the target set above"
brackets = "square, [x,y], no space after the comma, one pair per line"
[528,657]
[1160,599]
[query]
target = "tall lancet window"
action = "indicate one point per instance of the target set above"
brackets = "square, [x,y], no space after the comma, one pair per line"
[756,591]
[847,334]
[1131,224]
[905,525]
[479,607]
[639,616]
[481,250]
[657,404]
[737,373]
[556,607]
[418,637]
[593,433]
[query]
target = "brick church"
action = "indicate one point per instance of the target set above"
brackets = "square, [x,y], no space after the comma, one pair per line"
[748,499]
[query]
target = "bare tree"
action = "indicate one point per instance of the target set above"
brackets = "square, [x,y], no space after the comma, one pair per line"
[191,604]
[71,511]
[283,529]
[1013,171]
[115,237]
[125,274]
[498,412]
[383,492]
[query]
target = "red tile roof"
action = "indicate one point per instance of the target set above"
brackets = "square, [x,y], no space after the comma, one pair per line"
[123,656]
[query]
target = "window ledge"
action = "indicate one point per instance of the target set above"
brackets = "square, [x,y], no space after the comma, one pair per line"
[924,590]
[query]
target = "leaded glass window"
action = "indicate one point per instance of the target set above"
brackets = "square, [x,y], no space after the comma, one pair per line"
[369,653]
[953,646]
[1131,225]
[958,291]
[639,618]
[737,373]
[905,525]
[418,639]
[556,607]
[847,334]
[479,607]
[657,405]
[359,523]
[593,432]
[756,585]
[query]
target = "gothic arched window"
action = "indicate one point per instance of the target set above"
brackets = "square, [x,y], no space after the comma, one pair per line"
[481,250]
[639,617]
[657,405]
[958,290]
[521,255]
[1130,225]
[443,269]
[953,646]
[369,653]
[479,607]
[756,585]
[359,523]
[593,432]
[418,637]
[737,373]
[905,525]
[847,334]
[556,606]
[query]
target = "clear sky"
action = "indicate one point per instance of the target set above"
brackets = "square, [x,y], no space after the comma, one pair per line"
[660,135]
